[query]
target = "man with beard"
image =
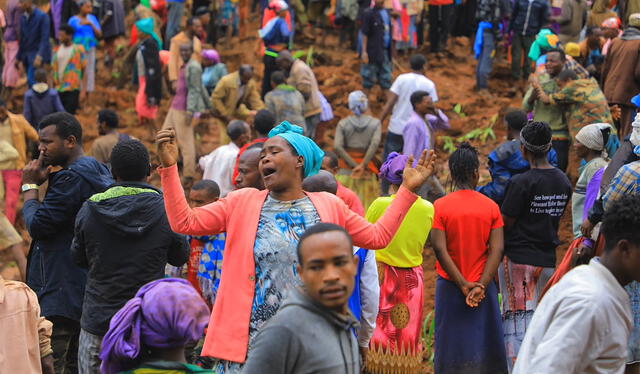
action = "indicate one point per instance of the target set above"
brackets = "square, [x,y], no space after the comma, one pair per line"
[56,279]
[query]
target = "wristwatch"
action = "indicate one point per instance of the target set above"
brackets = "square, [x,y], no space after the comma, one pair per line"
[29,186]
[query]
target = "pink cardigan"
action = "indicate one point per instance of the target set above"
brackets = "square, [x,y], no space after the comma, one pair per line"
[238,215]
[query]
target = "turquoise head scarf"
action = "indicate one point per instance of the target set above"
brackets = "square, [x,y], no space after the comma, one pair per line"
[545,40]
[146,25]
[305,147]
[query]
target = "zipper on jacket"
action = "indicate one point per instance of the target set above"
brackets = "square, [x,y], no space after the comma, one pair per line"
[526,19]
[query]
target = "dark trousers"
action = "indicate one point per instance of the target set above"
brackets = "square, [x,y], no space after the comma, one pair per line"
[439,26]
[562,149]
[394,143]
[520,44]
[64,342]
[465,19]
[70,100]
[270,66]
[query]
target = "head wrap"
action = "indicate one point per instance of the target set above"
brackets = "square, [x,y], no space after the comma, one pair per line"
[358,102]
[146,25]
[393,168]
[165,56]
[278,5]
[534,147]
[305,147]
[572,49]
[634,20]
[146,3]
[611,23]
[211,55]
[545,40]
[591,136]
[166,313]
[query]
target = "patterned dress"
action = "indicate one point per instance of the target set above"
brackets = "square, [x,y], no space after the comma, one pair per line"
[279,229]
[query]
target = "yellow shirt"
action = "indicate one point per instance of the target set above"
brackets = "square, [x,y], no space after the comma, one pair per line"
[405,250]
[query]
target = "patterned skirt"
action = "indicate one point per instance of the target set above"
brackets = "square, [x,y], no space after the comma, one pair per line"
[468,340]
[396,345]
[367,188]
[521,287]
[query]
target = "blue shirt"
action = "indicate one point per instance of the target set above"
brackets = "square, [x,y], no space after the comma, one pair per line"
[34,37]
[84,33]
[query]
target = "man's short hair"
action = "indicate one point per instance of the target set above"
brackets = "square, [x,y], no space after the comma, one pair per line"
[201,11]
[417,62]
[563,55]
[245,68]
[210,186]
[333,158]
[190,21]
[417,97]
[567,75]
[264,121]
[41,75]
[109,117]
[277,77]
[130,160]
[236,128]
[66,125]
[320,228]
[621,221]
[516,119]
[67,29]
[324,181]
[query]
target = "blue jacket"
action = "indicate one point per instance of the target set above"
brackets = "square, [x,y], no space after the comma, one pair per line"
[34,37]
[38,105]
[52,274]
[505,162]
[529,16]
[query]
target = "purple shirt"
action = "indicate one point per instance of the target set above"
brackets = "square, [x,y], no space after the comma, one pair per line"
[418,135]
[180,99]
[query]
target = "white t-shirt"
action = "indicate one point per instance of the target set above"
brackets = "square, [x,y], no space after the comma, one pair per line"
[218,166]
[64,55]
[404,86]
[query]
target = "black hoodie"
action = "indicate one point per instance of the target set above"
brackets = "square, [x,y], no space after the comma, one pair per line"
[123,236]
[304,337]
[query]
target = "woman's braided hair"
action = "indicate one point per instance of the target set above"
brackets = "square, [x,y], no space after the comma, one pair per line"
[463,164]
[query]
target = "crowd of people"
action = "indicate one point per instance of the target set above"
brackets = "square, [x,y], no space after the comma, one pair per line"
[272,254]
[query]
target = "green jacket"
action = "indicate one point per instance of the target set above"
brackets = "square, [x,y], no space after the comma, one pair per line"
[551,114]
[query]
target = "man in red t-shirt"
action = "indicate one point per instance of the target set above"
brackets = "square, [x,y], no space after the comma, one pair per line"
[330,164]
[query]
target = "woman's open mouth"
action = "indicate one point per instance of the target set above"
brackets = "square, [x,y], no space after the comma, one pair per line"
[267,172]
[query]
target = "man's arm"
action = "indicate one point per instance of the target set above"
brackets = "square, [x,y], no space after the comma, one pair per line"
[28,114]
[59,208]
[392,98]
[254,99]
[78,245]
[338,145]
[217,99]
[29,131]
[373,145]
[44,45]
[174,58]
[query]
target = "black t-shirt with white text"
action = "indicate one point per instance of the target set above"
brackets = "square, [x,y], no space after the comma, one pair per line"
[537,200]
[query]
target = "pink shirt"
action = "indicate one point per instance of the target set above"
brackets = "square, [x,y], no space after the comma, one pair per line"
[238,215]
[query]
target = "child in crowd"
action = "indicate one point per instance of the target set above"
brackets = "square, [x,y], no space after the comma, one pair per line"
[467,237]
[41,100]
[69,64]
[533,204]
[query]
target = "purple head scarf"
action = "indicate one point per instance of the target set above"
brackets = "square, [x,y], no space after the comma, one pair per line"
[211,55]
[392,169]
[166,313]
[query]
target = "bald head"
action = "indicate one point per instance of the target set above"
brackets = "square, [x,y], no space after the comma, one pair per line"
[248,173]
[323,181]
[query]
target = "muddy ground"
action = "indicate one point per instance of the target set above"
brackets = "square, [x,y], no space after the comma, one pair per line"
[337,72]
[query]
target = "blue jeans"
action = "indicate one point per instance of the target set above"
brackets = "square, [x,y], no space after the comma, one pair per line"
[394,143]
[174,20]
[485,63]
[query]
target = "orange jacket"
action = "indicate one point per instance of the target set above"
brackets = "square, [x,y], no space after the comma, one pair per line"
[238,214]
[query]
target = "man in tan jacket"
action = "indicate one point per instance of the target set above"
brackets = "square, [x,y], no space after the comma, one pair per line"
[302,78]
[188,36]
[236,97]
[14,129]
